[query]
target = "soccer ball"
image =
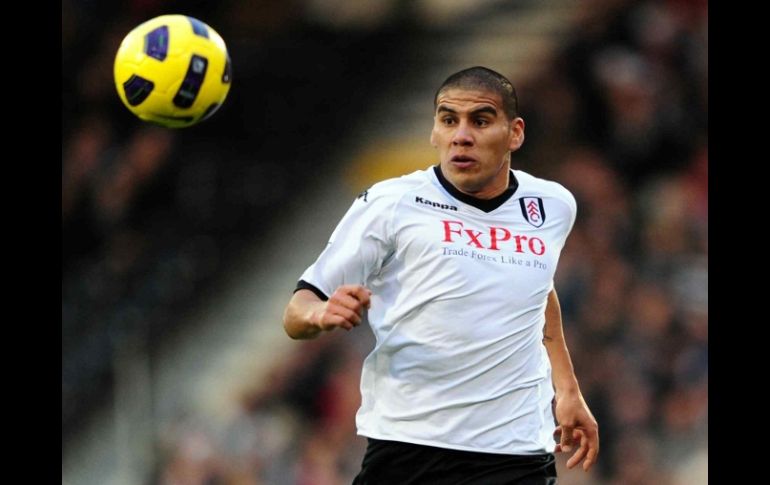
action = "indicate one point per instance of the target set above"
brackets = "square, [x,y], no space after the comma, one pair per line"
[172,70]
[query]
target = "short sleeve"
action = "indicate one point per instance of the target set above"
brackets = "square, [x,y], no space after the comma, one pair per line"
[572,203]
[566,213]
[359,245]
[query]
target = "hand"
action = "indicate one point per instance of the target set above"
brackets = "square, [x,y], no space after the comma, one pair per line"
[576,426]
[343,309]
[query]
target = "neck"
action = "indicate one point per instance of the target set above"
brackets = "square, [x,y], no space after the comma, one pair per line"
[486,205]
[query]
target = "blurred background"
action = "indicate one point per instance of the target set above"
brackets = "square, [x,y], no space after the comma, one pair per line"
[180,248]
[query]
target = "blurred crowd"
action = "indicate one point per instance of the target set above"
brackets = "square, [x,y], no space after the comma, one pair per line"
[620,118]
[153,218]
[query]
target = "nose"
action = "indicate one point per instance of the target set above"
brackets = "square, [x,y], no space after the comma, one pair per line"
[462,135]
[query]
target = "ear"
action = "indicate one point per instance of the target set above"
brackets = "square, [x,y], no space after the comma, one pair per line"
[433,138]
[517,134]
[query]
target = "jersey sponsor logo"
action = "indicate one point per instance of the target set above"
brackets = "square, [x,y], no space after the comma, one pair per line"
[492,238]
[532,210]
[421,200]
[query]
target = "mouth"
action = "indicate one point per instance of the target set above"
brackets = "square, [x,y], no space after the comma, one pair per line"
[463,161]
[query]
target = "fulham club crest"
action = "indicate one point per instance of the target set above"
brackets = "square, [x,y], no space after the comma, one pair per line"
[532,210]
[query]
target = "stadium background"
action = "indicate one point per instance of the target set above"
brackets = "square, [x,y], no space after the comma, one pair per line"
[180,248]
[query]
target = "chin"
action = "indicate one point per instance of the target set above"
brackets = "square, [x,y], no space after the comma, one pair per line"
[468,186]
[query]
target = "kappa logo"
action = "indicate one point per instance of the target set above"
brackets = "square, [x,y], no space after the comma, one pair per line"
[434,204]
[532,210]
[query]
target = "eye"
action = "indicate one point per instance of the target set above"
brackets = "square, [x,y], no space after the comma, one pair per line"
[482,122]
[448,120]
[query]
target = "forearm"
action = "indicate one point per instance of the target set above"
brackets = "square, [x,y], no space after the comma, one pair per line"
[577,425]
[563,373]
[299,313]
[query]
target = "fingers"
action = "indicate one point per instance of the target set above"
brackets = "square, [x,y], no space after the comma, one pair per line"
[592,437]
[345,307]
[343,317]
[360,293]
[581,452]
[567,439]
[588,447]
[593,452]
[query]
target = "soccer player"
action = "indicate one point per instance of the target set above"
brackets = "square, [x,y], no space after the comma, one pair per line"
[453,268]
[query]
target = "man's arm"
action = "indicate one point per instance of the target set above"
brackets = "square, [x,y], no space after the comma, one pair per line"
[576,422]
[306,315]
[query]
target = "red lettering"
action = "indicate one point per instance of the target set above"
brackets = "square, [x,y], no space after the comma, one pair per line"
[474,238]
[497,235]
[448,230]
[493,235]
[518,239]
[541,246]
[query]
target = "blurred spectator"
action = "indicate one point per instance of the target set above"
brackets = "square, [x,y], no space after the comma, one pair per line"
[151,216]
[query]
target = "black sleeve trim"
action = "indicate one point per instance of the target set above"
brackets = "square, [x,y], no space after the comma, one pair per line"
[304,285]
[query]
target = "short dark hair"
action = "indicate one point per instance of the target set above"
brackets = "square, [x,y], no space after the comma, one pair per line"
[483,79]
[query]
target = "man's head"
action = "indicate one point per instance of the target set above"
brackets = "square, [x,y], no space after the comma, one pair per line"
[482,79]
[476,127]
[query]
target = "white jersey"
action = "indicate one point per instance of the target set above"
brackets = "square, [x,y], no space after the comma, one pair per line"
[459,288]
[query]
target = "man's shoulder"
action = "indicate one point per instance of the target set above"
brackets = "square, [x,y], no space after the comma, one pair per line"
[395,188]
[533,186]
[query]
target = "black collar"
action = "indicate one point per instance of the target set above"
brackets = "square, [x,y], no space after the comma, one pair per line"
[487,205]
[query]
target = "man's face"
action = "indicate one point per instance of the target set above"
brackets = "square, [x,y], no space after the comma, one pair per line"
[474,139]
